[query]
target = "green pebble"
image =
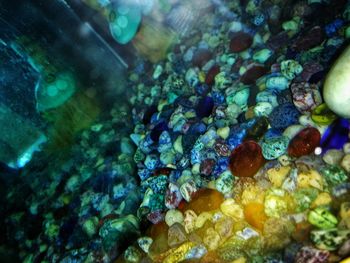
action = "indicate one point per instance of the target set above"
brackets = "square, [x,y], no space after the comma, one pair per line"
[322,218]
[334,175]
[330,239]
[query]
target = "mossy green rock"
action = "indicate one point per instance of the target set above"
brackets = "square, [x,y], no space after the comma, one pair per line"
[330,239]
[334,175]
[322,218]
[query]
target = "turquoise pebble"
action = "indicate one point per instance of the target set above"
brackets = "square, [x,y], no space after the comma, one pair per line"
[274,147]
[277,83]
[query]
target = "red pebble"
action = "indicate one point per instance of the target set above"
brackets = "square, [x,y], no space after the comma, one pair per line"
[240,41]
[210,77]
[304,142]
[246,159]
[253,72]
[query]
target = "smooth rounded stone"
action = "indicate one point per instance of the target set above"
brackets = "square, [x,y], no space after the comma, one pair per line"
[240,41]
[225,183]
[246,159]
[334,175]
[233,111]
[223,132]
[336,135]
[201,57]
[204,200]
[222,81]
[263,109]
[211,74]
[309,39]
[311,254]
[293,130]
[252,73]
[333,157]
[304,142]
[336,92]
[267,96]
[306,97]
[277,83]
[254,214]
[284,116]
[329,239]
[90,226]
[345,163]
[173,216]
[322,218]
[273,148]
[262,55]
[205,107]
[322,115]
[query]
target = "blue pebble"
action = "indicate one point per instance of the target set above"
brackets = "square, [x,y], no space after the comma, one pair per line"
[336,135]
[218,98]
[151,161]
[205,107]
[195,156]
[144,174]
[284,116]
[332,28]
[272,133]
[201,89]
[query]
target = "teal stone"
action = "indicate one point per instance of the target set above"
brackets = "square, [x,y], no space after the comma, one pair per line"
[330,239]
[291,68]
[225,182]
[262,55]
[50,95]
[267,96]
[277,83]
[322,218]
[167,157]
[124,21]
[274,147]
[334,174]
[239,97]
[263,109]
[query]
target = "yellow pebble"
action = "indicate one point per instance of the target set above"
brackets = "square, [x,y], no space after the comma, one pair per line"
[278,175]
[311,178]
[254,194]
[201,76]
[347,260]
[322,199]
[202,218]
[223,132]
[230,208]
[179,253]
[240,260]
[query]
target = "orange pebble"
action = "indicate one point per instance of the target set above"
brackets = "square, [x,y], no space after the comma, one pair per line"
[255,215]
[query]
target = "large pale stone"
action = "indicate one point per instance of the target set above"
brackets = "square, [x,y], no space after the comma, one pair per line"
[336,90]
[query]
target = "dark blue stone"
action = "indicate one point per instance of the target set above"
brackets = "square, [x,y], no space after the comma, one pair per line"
[332,28]
[144,174]
[271,133]
[283,116]
[218,98]
[148,114]
[336,135]
[205,107]
[290,252]
[157,130]
[237,134]
[198,128]
[221,166]
[201,89]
